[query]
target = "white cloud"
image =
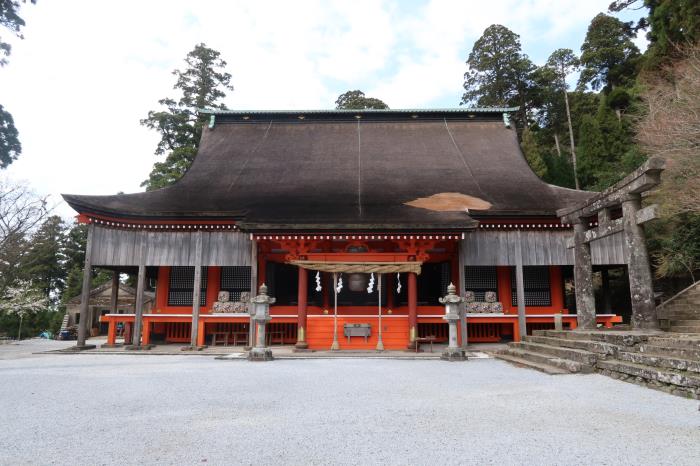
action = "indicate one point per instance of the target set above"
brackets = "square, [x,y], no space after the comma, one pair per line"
[88,71]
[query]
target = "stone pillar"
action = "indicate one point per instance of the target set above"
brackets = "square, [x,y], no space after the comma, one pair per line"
[452,302]
[641,287]
[85,294]
[261,316]
[520,288]
[412,309]
[583,279]
[302,299]
[138,313]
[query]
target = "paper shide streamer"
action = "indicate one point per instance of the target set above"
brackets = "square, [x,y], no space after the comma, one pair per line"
[318,281]
[370,287]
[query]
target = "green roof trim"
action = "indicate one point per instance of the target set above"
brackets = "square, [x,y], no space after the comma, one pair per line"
[456,110]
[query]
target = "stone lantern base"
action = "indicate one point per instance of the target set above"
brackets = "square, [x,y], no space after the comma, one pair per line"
[260,354]
[453,354]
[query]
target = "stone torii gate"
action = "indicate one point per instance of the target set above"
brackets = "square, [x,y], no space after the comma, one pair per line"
[605,208]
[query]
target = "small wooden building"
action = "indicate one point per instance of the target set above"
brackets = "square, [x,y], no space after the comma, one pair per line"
[101,304]
[395,204]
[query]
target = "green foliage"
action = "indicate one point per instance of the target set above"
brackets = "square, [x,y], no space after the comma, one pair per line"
[44,262]
[608,55]
[13,22]
[32,324]
[499,74]
[533,154]
[10,147]
[560,172]
[591,151]
[675,246]
[203,84]
[74,252]
[356,100]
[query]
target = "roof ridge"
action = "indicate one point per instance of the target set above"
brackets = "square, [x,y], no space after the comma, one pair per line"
[217,111]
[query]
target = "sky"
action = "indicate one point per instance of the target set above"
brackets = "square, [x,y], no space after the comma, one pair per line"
[88,71]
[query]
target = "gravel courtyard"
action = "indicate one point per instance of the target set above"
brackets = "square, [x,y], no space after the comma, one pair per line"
[141,409]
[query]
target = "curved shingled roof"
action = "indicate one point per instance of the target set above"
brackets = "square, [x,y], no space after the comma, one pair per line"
[281,170]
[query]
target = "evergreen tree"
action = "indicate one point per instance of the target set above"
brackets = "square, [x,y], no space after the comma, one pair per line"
[202,83]
[74,253]
[563,62]
[608,55]
[533,154]
[591,151]
[10,147]
[499,74]
[672,24]
[356,100]
[44,262]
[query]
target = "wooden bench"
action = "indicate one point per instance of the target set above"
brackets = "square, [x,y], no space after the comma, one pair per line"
[429,339]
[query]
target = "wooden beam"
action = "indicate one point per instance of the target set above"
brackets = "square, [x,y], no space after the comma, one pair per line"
[197,289]
[520,287]
[85,294]
[114,298]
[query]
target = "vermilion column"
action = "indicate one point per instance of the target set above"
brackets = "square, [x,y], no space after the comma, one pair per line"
[302,300]
[412,308]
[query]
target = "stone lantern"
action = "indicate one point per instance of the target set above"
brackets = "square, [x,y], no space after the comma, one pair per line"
[452,301]
[260,313]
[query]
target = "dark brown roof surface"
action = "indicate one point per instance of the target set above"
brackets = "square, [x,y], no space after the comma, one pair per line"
[276,171]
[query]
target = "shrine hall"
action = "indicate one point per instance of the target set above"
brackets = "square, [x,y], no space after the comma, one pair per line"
[356,221]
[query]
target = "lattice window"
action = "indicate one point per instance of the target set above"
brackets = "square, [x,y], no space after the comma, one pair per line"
[181,285]
[536,284]
[235,280]
[480,279]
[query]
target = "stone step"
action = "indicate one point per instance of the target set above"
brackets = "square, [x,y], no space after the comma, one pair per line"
[676,341]
[667,376]
[672,312]
[547,360]
[670,351]
[546,368]
[598,347]
[686,323]
[685,329]
[572,354]
[662,361]
[607,336]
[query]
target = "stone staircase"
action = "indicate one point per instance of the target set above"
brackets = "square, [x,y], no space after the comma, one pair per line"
[681,313]
[664,361]
[64,323]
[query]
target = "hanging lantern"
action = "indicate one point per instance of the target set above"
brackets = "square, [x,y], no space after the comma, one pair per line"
[357,281]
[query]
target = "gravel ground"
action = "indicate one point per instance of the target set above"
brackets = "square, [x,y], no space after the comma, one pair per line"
[119,409]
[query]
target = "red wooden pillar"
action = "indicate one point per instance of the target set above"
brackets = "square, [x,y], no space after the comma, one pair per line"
[302,299]
[412,308]
[112,332]
[146,340]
